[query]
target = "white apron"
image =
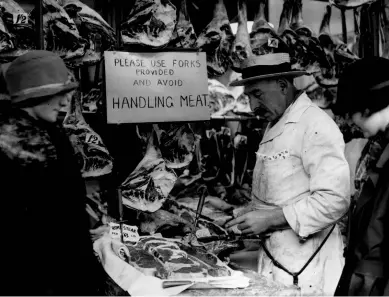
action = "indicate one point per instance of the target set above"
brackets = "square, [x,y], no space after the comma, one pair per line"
[301,168]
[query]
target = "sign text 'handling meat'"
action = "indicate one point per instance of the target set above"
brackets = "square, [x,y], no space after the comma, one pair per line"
[156,87]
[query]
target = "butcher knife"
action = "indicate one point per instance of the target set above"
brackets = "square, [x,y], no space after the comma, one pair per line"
[203,193]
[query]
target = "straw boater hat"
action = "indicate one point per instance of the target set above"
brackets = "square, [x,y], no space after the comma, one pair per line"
[37,74]
[266,66]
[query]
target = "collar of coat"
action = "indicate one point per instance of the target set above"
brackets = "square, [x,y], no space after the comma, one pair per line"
[25,140]
[292,115]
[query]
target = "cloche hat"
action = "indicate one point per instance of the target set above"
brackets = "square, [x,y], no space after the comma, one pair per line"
[37,74]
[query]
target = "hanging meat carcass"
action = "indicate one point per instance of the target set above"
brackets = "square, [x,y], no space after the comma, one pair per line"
[92,154]
[241,48]
[150,23]
[220,99]
[216,40]
[315,54]
[22,29]
[92,27]
[184,35]
[176,143]
[148,186]
[264,39]
[297,48]
[61,35]
[6,43]
[338,55]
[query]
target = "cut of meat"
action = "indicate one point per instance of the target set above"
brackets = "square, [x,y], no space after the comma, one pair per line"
[146,263]
[60,32]
[241,48]
[23,34]
[264,39]
[6,43]
[150,23]
[184,35]
[180,264]
[92,27]
[216,40]
[297,48]
[92,100]
[315,54]
[154,222]
[220,99]
[176,144]
[337,52]
[90,150]
[148,186]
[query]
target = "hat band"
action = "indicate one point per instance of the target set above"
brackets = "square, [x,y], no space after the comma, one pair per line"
[259,70]
[35,89]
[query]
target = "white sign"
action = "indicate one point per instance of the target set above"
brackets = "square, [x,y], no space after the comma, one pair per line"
[156,87]
[20,18]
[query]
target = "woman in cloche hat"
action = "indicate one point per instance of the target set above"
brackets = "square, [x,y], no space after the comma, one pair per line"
[363,98]
[46,247]
[301,179]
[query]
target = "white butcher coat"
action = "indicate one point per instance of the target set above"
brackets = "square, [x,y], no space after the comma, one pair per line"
[301,167]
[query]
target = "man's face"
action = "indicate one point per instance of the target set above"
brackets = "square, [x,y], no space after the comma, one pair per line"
[48,111]
[267,99]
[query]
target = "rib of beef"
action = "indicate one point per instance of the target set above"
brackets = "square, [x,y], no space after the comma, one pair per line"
[241,48]
[176,143]
[92,27]
[23,34]
[150,23]
[216,40]
[90,150]
[60,32]
[148,186]
[184,35]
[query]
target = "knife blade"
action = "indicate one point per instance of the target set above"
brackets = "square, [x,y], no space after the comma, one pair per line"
[170,284]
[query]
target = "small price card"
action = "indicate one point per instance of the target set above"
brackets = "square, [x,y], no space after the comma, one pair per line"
[130,233]
[20,18]
[92,138]
[115,231]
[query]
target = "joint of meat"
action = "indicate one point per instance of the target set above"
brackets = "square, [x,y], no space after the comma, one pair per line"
[241,48]
[216,40]
[184,35]
[92,154]
[150,23]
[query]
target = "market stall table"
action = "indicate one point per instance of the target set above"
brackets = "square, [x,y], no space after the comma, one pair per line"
[259,286]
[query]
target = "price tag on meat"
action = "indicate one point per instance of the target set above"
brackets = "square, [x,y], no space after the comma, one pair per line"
[156,87]
[115,231]
[92,138]
[20,18]
[130,233]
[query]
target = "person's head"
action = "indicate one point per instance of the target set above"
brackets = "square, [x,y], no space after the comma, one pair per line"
[268,81]
[40,83]
[269,98]
[363,95]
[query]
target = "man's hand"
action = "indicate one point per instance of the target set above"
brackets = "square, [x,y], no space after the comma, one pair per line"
[259,221]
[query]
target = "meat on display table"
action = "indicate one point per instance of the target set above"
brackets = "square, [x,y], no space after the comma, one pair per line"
[259,286]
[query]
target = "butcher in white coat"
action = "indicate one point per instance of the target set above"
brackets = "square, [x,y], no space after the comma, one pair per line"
[301,180]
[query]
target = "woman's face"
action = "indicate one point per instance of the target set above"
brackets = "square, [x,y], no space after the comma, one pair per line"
[370,125]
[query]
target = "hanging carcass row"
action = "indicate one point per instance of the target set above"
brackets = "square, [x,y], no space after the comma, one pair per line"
[184,35]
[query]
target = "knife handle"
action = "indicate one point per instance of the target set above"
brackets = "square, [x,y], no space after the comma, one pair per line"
[170,284]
